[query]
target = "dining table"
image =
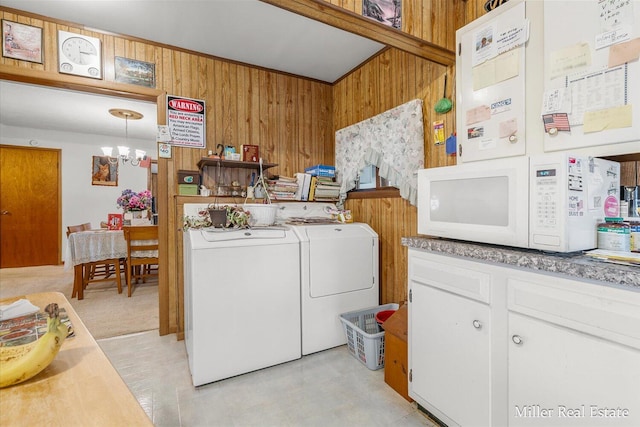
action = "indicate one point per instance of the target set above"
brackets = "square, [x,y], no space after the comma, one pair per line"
[84,247]
[79,388]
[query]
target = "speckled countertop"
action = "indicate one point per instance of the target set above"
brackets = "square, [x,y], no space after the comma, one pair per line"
[574,264]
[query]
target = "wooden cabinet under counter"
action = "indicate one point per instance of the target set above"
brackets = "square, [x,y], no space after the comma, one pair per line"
[79,388]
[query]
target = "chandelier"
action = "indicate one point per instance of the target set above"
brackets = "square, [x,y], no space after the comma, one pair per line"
[125,154]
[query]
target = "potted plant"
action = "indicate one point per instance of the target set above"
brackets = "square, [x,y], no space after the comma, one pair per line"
[135,206]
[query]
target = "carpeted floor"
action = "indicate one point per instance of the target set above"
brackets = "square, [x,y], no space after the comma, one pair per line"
[104,312]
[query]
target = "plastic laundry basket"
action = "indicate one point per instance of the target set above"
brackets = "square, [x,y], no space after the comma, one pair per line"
[365,338]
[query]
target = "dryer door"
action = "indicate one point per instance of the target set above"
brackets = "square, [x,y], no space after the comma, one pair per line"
[341,259]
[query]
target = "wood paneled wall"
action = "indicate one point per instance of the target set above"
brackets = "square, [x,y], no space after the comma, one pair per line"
[435,21]
[387,81]
[292,119]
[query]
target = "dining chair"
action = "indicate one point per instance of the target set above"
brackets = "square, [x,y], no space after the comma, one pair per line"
[142,253]
[98,271]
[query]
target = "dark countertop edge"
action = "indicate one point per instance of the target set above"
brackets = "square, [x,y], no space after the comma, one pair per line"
[572,265]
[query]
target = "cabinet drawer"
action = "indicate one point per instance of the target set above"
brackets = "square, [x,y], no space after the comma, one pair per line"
[602,311]
[451,275]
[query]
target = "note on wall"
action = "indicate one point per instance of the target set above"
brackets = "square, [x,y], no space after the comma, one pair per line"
[624,52]
[508,128]
[497,70]
[610,118]
[616,22]
[569,59]
[614,14]
[597,91]
[478,114]
[484,47]
[512,37]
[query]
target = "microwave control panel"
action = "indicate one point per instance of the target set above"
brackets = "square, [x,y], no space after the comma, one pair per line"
[549,194]
[546,198]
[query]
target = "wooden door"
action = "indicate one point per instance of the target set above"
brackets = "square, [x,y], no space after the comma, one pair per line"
[30,203]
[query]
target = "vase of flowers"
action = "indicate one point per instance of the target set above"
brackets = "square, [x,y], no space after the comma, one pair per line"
[135,206]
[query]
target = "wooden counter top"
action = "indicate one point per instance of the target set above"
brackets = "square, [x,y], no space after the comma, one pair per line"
[79,388]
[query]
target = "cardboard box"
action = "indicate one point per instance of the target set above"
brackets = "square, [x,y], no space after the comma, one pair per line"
[396,365]
[321,170]
[187,189]
[188,177]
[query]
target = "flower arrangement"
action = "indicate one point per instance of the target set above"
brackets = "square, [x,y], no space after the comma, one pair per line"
[132,201]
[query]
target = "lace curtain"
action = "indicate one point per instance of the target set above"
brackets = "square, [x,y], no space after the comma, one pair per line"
[393,141]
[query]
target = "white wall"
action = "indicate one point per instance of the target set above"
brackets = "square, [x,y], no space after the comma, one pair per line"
[81,201]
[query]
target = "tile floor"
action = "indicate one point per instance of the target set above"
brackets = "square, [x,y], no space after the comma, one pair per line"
[329,388]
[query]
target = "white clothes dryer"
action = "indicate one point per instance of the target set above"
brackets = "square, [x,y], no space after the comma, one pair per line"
[339,267]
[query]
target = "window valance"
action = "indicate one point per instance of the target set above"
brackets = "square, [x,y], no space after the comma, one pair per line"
[393,141]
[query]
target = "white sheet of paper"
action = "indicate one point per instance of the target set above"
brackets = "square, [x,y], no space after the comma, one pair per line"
[600,90]
[569,59]
[497,70]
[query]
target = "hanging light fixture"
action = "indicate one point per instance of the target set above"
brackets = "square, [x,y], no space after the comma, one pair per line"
[124,153]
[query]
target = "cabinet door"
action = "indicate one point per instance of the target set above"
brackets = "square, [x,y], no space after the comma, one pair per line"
[450,355]
[490,104]
[562,377]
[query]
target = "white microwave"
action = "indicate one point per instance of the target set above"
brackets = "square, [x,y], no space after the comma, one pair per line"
[551,201]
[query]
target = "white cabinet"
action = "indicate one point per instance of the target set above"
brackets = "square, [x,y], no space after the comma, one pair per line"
[548,351]
[574,353]
[494,116]
[449,314]
[562,377]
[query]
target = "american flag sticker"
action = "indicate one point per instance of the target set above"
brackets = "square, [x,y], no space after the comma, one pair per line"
[557,121]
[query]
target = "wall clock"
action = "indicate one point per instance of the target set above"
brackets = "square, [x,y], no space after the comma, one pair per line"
[79,54]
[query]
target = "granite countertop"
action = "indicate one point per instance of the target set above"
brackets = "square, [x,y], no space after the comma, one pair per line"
[575,264]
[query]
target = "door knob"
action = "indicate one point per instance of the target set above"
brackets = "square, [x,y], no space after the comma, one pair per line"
[477,324]
[5,213]
[517,339]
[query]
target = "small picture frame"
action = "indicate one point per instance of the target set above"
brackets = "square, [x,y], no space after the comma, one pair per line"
[114,221]
[387,12]
[104,171]
[135,72]
[21,41]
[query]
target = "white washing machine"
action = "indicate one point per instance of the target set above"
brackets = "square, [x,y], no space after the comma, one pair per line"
[242,300]
[339,271]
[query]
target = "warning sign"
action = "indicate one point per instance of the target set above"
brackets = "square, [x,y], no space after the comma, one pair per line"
[186,120]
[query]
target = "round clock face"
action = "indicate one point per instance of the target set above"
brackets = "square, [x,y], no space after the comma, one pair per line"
[80,51]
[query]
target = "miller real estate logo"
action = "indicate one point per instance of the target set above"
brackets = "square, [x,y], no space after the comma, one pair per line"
[570,412]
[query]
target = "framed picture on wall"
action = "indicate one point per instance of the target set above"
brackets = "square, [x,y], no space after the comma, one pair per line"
[387,12]
[21,41]
[104,172]
[135,72]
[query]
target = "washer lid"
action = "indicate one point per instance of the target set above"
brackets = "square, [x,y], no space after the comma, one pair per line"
[212,234]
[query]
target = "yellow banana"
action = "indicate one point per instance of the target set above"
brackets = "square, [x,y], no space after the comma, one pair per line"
[19,363]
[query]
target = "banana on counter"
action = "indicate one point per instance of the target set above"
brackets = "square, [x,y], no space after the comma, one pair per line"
[20,363]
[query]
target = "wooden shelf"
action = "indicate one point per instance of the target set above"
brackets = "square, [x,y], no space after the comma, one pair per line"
[207,161]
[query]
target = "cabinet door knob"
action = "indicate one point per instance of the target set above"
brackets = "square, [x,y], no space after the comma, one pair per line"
[477,324]
[517,339]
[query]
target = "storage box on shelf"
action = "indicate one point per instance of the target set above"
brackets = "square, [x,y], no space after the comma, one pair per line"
[187,189]
[188,177]
[321,170]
